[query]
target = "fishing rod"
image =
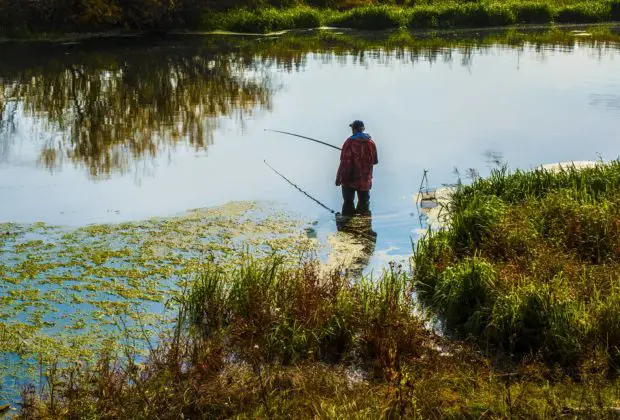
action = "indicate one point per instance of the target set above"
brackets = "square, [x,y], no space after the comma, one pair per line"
[304,137]
[305,193]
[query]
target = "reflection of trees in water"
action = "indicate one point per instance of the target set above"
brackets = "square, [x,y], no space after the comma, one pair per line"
[291,52]
[105,110]
[8,112]
[297,61]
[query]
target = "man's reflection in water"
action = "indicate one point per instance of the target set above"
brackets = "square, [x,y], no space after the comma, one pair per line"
[359,233]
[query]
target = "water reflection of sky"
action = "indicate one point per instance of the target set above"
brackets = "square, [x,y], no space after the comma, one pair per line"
[533,106]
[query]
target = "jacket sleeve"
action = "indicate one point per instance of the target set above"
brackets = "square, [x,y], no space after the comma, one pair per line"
[346,164]
[375,154]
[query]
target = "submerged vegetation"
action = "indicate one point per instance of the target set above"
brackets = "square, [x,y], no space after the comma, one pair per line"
[65,294]
[530,265]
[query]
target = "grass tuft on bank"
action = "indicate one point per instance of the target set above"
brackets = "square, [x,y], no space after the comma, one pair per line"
[529,264]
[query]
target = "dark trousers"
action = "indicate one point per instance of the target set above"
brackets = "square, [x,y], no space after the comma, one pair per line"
[348,206]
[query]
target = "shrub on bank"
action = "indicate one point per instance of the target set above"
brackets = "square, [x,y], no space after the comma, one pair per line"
[531,12]
[25,16]
[500,14]
[614,10]
[530,263]
[474,15]
[264,20]
[423,17]
[590,12]
[370,17]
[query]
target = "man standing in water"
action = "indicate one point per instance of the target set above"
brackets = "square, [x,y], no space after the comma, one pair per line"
[357,159]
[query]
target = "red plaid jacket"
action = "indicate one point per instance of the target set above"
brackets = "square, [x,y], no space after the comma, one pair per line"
[358,156]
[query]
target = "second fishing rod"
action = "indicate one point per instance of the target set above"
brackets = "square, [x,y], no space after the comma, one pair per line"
[357,127]
[304,137]
[290,182]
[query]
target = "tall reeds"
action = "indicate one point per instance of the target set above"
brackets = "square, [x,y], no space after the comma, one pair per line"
[434,15]
[286,314]
[530,263]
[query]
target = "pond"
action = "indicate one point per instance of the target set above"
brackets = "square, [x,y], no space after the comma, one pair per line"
[98,133]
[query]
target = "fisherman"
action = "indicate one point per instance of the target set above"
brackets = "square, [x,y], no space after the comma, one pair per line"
[358,156]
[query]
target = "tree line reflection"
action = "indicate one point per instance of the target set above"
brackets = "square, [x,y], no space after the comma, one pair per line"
[104,104]
[106,109]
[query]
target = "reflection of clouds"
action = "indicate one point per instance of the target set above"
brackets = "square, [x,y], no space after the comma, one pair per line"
[606,101]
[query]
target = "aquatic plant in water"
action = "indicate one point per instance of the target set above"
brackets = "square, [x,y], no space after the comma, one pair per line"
[65,293]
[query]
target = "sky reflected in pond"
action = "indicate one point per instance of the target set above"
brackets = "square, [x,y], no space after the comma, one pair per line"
[114,131]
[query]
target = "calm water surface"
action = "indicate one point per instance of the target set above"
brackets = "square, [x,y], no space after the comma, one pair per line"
[115,130]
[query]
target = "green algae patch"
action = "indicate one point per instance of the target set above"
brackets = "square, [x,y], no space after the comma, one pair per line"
[67,293]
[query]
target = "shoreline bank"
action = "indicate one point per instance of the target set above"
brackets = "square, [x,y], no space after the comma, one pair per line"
[269,21]
[419,17]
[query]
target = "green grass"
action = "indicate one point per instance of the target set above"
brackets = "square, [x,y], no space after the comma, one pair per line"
[590,12]
[299,314]
[368,17]
[264,20]
[424,16]
[25,18]
[530,264]
[533,12]
[277,340]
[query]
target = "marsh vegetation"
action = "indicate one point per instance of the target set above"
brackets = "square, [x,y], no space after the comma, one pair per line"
[530,265]
[418,15]
[20,17]
[523,281]
[269,339]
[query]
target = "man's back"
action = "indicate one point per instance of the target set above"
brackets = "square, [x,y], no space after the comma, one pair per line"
[358,156]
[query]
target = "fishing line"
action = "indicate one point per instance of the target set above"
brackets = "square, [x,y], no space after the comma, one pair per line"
[305,193]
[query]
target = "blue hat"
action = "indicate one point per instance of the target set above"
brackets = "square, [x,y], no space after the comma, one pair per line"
[357,124]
